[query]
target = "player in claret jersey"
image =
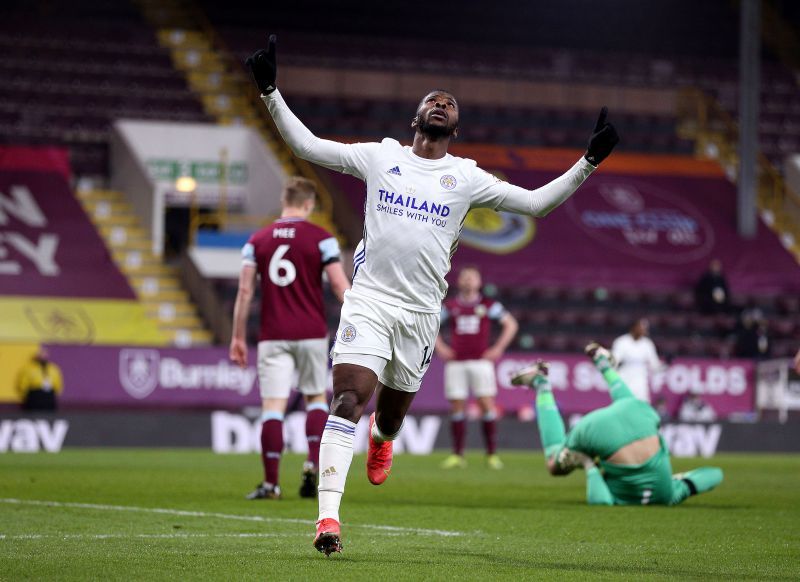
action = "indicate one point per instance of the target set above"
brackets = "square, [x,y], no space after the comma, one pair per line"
[417,199]
[470,361]
[290,256]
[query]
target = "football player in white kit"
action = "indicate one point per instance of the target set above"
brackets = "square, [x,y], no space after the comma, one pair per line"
[417,199]
[636,358]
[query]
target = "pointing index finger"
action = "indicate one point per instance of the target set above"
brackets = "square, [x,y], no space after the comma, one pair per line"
[601,120]
[271,45]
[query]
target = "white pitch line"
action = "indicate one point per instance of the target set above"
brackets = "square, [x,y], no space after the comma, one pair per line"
[255,518]
[144,536]
[171,536]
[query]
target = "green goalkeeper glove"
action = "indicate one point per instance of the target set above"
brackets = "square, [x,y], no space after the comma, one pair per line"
[604,138]
[263,67]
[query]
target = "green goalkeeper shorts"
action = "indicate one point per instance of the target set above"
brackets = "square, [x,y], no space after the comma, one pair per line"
[604,431]
[648,483]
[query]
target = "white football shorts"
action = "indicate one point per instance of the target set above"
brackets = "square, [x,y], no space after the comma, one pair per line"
[461,376]
[395,343]
[278,360]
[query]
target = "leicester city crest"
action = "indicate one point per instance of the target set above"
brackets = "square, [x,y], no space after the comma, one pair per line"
[448,182]
[348,334]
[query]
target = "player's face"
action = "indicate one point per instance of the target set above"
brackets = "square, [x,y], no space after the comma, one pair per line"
[642,327]
[469,281]
[437,115]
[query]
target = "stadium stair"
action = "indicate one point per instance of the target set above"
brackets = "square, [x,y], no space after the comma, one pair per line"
[214,74]
[156,284]
[703,120]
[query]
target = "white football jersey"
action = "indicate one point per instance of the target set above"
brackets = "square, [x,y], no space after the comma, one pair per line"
[415,208]
[414,212]
[636,360]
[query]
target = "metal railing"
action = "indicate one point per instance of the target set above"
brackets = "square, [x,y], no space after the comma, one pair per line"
[235,70]
[187,15]
[715,134]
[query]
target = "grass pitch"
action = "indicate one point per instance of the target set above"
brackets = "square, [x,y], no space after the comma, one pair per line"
[156,515]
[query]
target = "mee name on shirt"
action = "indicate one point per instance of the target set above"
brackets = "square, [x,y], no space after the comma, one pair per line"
[290,255]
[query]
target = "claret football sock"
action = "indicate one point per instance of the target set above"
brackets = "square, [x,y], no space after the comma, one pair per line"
[316,417]
[271,445]
[489,426]
[335,456]
[458,431]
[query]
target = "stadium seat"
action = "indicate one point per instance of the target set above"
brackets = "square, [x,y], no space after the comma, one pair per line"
[83,95]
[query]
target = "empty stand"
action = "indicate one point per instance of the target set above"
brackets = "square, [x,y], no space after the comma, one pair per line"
[67,76]
[638,54]
[372,120]
[559,319]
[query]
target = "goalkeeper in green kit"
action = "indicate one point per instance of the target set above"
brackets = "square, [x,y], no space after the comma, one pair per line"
[626,460]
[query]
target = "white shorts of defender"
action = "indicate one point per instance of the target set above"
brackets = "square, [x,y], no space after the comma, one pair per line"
[464,375]
[394,342]
[278,360]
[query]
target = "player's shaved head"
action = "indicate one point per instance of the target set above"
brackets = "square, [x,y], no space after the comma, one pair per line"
[297,191]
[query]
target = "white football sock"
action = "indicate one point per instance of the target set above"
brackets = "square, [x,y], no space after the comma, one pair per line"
[335,456]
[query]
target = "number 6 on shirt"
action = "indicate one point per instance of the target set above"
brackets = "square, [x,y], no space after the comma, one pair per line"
[277,264]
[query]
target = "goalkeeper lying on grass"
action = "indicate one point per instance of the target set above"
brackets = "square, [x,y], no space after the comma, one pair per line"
[633,466]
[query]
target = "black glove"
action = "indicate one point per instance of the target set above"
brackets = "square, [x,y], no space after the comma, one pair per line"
[263,67]
[604,138]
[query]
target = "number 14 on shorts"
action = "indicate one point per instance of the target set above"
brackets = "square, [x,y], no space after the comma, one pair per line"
[426,357]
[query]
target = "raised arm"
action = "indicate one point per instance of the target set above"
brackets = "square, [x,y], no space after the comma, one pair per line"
[324,152]
[349,158]
[541,201]
[494,193]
